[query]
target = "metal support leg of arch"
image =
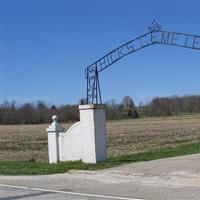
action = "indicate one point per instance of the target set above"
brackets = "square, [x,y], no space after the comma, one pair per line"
[93,87]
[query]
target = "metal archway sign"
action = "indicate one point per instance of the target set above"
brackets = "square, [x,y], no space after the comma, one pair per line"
[155,35]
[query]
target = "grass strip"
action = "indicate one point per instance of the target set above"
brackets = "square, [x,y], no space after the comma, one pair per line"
[38,168]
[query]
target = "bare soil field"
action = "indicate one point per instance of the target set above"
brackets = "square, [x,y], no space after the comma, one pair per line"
[29,142]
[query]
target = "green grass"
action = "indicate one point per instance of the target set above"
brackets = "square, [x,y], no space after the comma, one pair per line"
[36,168]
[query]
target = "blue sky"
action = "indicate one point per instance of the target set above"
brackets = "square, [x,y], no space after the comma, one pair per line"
[46,45]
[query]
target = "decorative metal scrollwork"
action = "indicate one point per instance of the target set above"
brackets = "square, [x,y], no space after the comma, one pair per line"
[154,26]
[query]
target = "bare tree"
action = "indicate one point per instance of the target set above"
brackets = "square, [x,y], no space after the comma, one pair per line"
[127,102]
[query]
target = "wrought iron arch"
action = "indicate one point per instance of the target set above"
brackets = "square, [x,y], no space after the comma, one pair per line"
[155,35]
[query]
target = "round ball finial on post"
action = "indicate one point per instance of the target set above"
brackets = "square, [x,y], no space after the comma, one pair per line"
[54,118]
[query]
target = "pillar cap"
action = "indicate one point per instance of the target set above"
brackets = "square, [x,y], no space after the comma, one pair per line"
[91,106]
[55,126]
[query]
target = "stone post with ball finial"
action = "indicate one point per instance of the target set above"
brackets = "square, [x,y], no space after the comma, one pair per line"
[53,146]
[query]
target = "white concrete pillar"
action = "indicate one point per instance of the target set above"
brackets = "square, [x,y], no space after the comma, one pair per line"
[93,133]
[53,148]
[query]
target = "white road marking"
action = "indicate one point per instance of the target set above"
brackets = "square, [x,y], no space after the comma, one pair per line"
[71,193]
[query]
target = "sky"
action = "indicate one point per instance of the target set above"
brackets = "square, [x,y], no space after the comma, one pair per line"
[47,44]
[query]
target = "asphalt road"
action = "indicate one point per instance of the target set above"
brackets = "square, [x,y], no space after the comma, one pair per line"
[164,179]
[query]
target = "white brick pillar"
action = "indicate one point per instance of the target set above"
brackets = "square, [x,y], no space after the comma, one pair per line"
[93,133]
[53,148]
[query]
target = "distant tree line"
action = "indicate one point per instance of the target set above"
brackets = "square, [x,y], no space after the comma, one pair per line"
[174,105]
[124,110]
[37,113]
